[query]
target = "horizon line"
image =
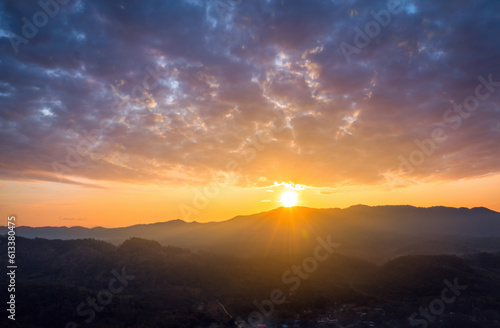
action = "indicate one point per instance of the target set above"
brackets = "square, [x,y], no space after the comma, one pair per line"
[252,214]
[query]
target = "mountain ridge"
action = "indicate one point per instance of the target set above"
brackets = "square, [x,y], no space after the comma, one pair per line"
[377,233]
[275,210]
[281,208]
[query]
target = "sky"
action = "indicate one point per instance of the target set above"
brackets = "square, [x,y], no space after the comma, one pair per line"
[115,113]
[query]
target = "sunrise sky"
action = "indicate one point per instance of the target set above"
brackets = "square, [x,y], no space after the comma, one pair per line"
[115,113]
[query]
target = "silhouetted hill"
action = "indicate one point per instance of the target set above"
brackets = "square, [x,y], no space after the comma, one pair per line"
[375,233]
[175,287]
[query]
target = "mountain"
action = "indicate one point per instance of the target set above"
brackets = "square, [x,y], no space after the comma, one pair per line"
[142,284]
[376,233]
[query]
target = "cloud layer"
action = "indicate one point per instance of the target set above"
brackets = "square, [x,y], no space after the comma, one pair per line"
[172,91]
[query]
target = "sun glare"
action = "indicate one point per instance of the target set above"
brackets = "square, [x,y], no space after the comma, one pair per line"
[289,198]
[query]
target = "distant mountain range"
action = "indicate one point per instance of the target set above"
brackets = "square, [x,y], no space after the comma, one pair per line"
[376,233]
[390,262]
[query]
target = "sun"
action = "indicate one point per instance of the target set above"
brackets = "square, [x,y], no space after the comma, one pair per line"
[289,198]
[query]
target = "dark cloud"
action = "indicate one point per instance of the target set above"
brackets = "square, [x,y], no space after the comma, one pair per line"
[74,96]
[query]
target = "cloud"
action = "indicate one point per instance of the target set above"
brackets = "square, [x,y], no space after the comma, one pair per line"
[289,185]
[73,219]
[219,81]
